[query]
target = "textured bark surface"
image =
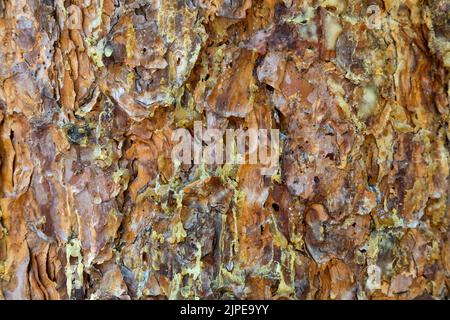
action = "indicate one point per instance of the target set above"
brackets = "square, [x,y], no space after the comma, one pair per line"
[92,206]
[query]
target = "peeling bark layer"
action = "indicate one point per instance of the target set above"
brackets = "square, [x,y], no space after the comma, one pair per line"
[93,207]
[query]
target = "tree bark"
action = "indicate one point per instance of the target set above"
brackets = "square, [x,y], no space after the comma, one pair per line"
[92,205]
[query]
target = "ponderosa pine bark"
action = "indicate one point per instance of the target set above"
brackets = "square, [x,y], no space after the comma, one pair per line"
[92,205]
